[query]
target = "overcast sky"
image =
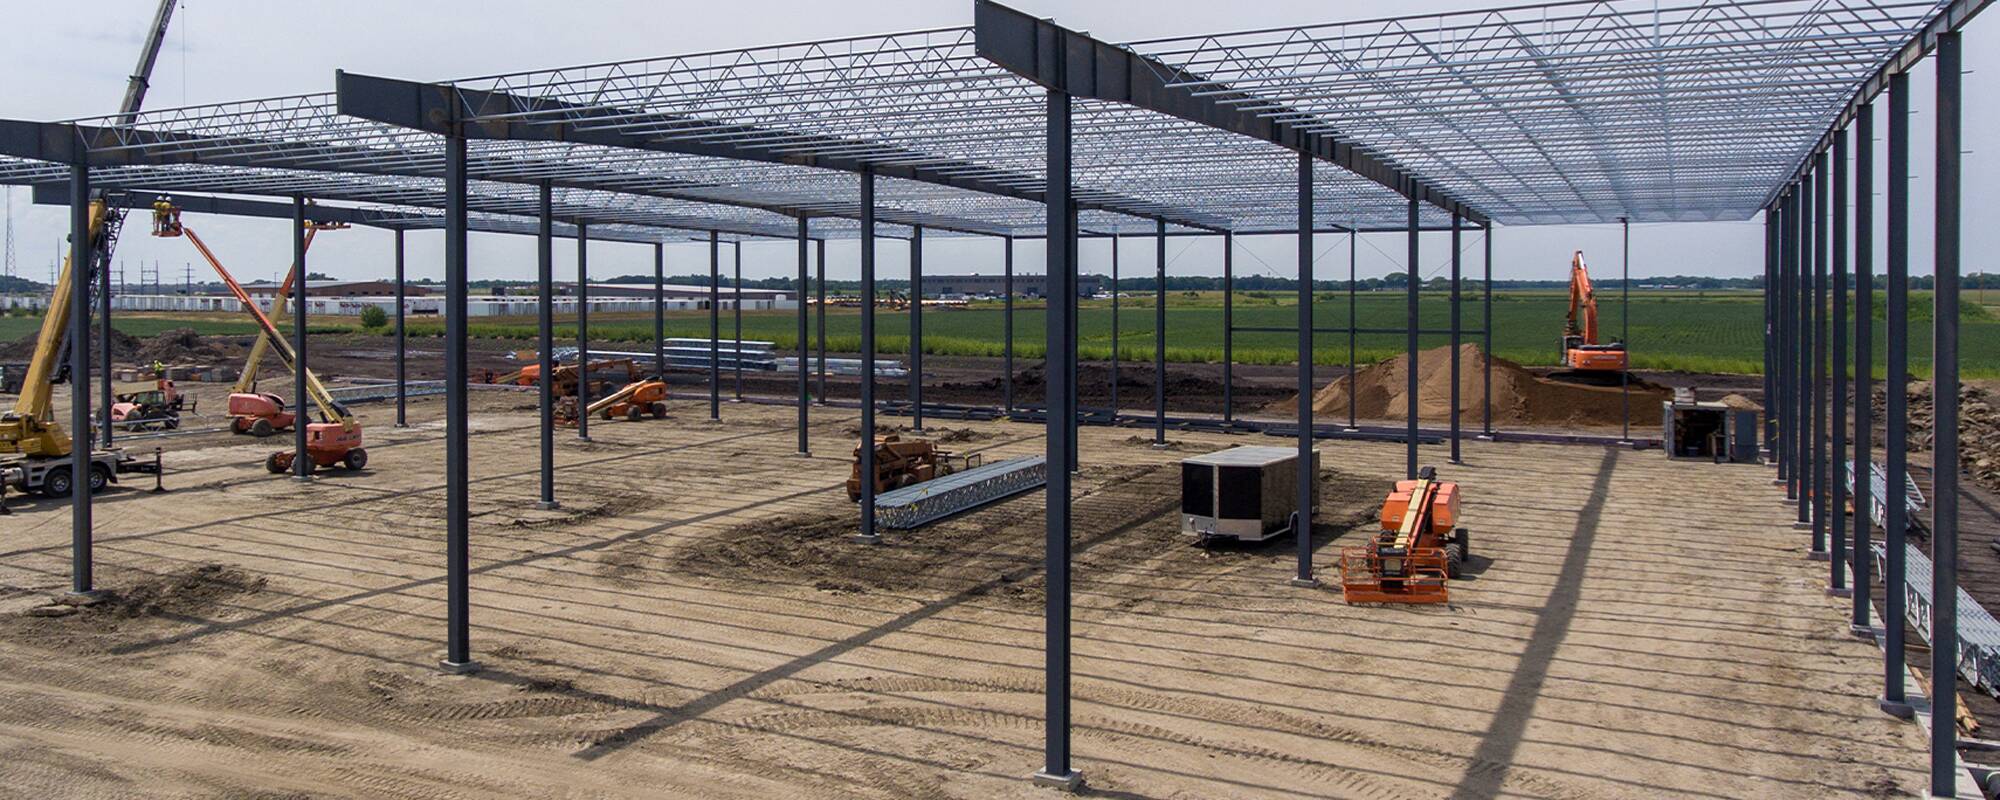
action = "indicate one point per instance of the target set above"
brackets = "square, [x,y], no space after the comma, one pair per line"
[65,60]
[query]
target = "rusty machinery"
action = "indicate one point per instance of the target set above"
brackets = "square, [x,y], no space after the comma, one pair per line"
[903,462]
[1418,550]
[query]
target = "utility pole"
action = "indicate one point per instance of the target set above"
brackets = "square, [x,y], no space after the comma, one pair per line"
[8,275]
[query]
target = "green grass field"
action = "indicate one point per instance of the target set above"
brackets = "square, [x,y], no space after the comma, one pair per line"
[1697,332]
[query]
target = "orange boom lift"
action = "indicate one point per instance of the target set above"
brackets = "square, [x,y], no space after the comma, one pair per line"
[1580,350]
[336,438]
[1417,551]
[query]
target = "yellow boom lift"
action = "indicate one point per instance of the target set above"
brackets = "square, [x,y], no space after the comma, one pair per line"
[336,438]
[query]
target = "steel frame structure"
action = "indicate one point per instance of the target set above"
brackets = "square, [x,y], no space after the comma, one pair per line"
[1013,127]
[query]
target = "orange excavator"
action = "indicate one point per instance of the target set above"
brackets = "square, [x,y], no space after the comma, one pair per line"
[1582,355]
[336,438]
[1418,551]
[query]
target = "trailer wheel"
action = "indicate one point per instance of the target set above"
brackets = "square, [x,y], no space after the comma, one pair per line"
[57,483]
[1454,556]
[262,428]
[355,459]
[100,477]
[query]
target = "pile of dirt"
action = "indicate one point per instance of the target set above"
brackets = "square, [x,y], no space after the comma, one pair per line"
[180,596]
[1741,403]
[185,346]
[23,348]
[1978,428]
[1189,388]
[1380,391]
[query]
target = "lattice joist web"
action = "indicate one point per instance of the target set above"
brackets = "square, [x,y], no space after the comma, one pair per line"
[1571,112]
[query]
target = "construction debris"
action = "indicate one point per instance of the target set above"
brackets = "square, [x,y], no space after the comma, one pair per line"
[1520,397]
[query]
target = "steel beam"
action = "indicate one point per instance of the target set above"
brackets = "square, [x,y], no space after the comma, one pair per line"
[1081,66]
[1625,328]
[1353,332]
[1802,397]
[1007,323]
[80,258]
[1944,397]
[546,341]
[508,117]
[1787,268]
[302,465]
[1896,449]
[1768,427]
[1115,337]
[458,645]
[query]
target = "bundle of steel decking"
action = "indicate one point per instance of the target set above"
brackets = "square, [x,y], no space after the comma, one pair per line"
[914,506]
[1978,637]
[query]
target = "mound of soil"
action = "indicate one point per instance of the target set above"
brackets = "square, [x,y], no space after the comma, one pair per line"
[184,346]
[23,348]
[1520,397]
[179,596]
[1978,428]
[1189,387]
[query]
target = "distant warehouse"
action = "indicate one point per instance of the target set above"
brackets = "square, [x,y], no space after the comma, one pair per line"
[995,285]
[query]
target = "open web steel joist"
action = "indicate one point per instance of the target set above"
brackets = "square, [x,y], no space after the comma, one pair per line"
[1545,113]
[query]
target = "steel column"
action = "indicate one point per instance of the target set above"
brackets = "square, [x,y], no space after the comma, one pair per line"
[1625,327]
[805,443]
[1007,323]
[458,647]
[1457,224]
[660,310]
[583,396]
[1115,338]
[402,339]
[81,256]
[1160,334]
[866,445]
[1896,389]
[1410,337]
[1307,478]
[302,465]
[1059,393]
[714,327]
[736,249]
[1228,327]
[1864,358]
[546,320]
[819,313]
[1818,459]
[1944,448]
[105,347]
[1837,421]
[1486,317]
[1802,395]
[1788,218]
[1353,325]
[917,327]
[1769,425]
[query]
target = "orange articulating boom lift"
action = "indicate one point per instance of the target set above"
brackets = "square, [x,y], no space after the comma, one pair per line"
[336,438]
[257,413]
[1417,551]
[1580,350]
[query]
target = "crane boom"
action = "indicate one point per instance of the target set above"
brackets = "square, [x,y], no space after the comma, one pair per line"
[142,74]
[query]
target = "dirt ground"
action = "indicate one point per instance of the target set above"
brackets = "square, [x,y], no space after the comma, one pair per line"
[692,622]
